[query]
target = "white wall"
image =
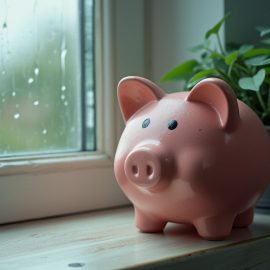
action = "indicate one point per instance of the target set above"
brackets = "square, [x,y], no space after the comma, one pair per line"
[174,26]
[129,38]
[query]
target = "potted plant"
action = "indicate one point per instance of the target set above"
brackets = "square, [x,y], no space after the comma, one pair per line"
[245,67]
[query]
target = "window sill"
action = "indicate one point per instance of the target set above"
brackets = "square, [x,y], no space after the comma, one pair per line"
[108,240]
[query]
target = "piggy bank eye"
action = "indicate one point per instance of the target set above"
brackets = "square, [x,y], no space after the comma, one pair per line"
[172,124]
[146,123]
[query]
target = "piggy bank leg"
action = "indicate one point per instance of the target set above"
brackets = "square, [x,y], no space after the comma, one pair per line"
[147,223]
[244,219]
[214,228]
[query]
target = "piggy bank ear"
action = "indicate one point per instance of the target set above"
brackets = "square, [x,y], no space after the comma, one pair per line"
[134,93]
[217,94]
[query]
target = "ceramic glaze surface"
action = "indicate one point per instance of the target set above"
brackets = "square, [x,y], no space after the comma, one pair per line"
[200,157]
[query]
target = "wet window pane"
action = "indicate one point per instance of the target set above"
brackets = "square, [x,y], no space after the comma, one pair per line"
[40,77]
[89,74]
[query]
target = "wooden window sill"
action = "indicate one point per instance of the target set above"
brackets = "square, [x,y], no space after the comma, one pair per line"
[108,240]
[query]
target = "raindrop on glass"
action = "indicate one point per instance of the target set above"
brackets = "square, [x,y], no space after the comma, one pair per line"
[30,80]
[16,115]
[63,88]
[36,71]
[90,99]
[4,25]
[66,103]
[63,59]
[36,103]
[44,131]
[63,97]
[13,94]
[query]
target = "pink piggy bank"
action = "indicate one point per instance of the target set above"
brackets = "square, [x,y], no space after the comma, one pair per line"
[200,157]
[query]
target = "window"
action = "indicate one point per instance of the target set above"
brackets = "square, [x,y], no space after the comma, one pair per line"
[73,170]
[43,109]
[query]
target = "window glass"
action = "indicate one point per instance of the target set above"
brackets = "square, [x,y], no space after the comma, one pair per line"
[41,98]
[89,85]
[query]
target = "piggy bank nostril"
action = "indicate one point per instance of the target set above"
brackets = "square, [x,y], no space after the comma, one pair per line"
[135,169]
[149,170]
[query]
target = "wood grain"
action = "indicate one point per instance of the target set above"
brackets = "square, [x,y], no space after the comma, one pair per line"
[108,240]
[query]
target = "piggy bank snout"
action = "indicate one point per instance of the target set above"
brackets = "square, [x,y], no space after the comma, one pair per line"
[143,167]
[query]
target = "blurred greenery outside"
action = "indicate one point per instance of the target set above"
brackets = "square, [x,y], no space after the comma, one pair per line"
[40,78]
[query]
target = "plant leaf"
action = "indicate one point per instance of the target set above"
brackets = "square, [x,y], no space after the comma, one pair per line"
[202,75]
[256,52]
[196,48]
[215,54]
[219,64]
[230,59]
[252,83]
[200,47]
[180,72]
[216,27]
[255,61]
[245,48]
[266,41]
[264,30]
[262,63]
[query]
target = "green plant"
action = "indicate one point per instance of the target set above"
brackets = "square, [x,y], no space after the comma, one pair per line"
[245,67]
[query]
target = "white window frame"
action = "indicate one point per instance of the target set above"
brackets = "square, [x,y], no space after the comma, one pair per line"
[51,185]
